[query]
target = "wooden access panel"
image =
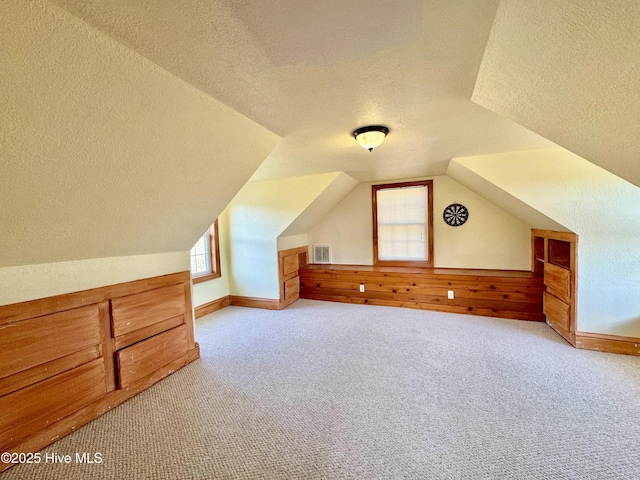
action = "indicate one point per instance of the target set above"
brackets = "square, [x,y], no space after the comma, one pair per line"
[58,360]
[557,280]
[36,341]
[290,261]
[141,359]
[292,288]
[26,411]
[135,312]
[558,312]
[290,264]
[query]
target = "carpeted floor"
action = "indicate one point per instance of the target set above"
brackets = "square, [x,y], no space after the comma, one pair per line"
[334,391]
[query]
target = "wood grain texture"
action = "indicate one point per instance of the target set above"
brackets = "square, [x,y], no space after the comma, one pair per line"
[45,306]
[141,359]
[41,372]
[558,266]
[57,355]
[211,307]
[28,343]
[292,288]
[254,302]
[189,321]
[30,409]
[290,264]
[68,424]
[107,346]
[608,343]
[558,312]
[124,341]
[141,310]
[496,293]
[558,281]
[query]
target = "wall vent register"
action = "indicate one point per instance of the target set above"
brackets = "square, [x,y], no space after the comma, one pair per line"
[322,254]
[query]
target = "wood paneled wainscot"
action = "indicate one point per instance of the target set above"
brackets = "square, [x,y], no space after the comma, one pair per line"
[289,263]
[554,259]
[66,360]
[495,293]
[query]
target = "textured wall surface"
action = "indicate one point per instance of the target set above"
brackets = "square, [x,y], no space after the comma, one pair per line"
[597,205]
[260,213]
[569,70]
[491,238]
[30,282]
[103,153]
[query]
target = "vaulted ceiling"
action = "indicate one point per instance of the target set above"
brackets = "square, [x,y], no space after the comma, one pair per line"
[312,72]
[116,118]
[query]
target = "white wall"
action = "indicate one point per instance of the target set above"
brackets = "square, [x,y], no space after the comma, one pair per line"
[293,241]
[102,152]
[258,215]
[603,209]
[491,238]
[568,70]
[30,282]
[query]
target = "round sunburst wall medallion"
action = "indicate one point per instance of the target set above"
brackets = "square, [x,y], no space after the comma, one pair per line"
[455,215]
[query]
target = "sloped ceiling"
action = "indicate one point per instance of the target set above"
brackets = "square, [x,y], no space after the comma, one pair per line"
[570,71]
[312,72]
[103,153]
[321,205]
[507,201]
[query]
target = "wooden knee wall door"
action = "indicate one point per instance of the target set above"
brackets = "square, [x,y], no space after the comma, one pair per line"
[67,359]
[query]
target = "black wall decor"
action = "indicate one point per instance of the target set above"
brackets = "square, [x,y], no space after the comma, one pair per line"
[455,215]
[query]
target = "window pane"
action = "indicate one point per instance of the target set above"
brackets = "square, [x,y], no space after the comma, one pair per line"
[201,256]
[403,223]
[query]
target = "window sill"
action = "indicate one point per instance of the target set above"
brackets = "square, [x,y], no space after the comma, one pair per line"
[205,278]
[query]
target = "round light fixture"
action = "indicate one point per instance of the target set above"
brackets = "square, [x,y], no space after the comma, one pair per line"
[370,137]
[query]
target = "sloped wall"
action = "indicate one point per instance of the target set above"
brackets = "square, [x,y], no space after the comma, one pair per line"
[104,155]
[491,238]
[569,71]
[261,212]
[99,145]
[603,209]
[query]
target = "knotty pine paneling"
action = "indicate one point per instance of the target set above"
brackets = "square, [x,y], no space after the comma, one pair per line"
[496,293]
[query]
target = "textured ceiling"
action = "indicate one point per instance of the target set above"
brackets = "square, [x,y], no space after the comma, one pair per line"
[570,70]
[102,153]
[312,72]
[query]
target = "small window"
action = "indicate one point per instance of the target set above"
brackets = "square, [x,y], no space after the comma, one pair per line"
[403,224]
[205,256]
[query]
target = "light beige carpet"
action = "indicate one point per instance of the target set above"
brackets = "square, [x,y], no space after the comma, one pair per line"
[334,391]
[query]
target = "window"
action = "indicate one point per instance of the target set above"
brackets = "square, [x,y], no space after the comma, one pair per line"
[403,224]
[205,256]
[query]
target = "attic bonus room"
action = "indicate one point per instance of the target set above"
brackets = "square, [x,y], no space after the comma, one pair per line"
[203,273]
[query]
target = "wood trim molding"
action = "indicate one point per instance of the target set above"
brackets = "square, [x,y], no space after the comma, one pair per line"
[112,399]
[211,307]
[254,302]
[564,236]
[88,354]
[374,203]
[292,251]
[206,277]
[43,306]
[602,342]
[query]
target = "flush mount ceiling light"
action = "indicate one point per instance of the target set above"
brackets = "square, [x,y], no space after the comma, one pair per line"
[370,137]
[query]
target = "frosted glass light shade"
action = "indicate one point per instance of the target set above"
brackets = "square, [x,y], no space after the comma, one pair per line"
[370,137]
